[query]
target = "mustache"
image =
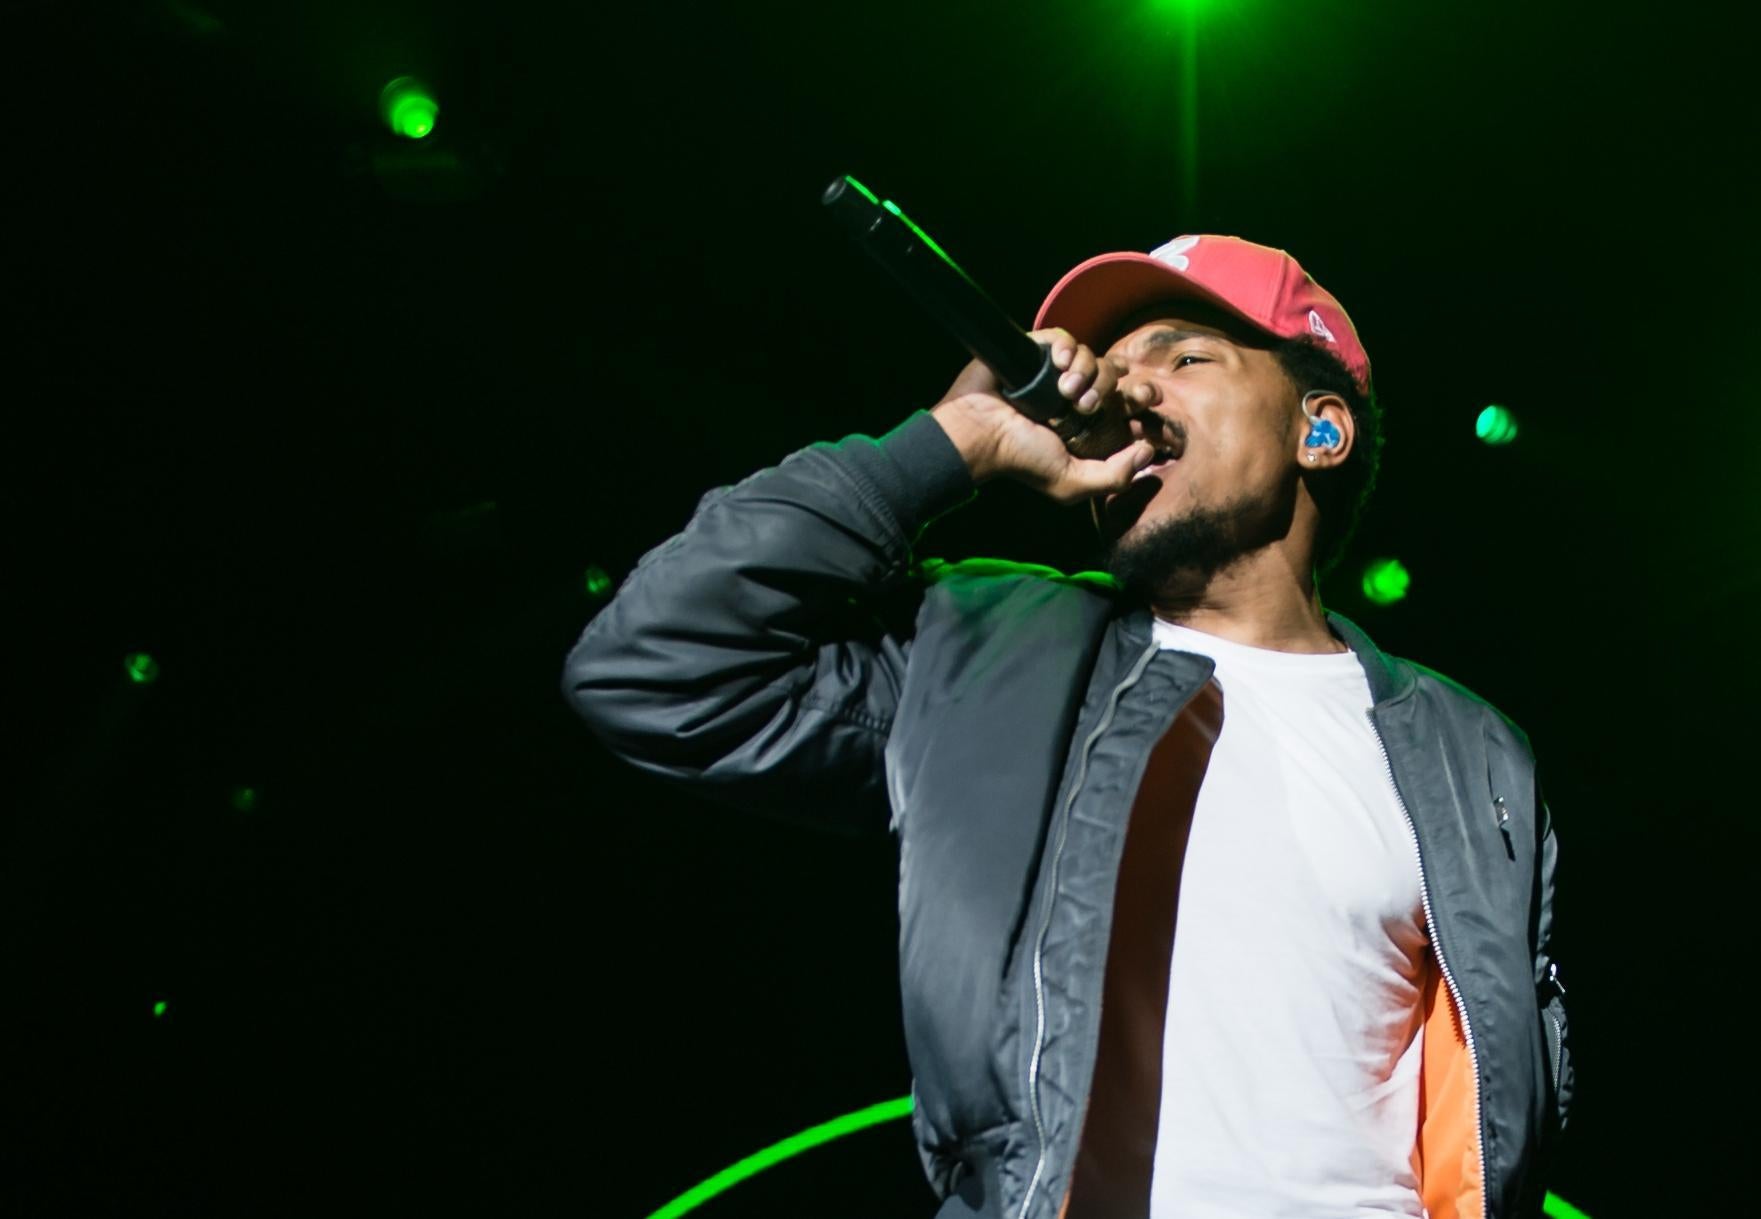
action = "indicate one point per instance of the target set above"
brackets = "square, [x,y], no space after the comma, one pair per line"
[1159,428]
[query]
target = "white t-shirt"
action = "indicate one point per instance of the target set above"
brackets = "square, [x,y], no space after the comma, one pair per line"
[1291,1056]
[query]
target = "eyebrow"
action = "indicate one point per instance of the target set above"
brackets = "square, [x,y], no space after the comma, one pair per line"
[1168,336]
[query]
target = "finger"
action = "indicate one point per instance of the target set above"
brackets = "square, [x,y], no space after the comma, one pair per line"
[1080,375]
[1084,478]
[1106,377]
[1061,342]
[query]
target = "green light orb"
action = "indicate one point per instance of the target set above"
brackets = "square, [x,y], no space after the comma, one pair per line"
[159,1007]
[598,583]
[141,668]
[1386,581]
[409,108]
[1496,425]
[244,799]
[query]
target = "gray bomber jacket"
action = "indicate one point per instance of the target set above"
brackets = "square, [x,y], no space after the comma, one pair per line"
[786,652]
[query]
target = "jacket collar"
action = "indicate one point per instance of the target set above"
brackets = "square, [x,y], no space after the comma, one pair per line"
[1389,679]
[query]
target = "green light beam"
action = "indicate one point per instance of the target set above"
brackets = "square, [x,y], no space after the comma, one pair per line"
[776,1153]
[1189,116]
[874,1115]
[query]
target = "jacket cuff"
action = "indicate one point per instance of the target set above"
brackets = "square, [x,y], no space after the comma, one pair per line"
[916,470]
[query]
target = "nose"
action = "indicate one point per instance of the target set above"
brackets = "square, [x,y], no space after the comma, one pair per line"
[1140,395]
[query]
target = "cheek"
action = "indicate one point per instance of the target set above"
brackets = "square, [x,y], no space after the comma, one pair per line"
[1178,496]
[1255,455]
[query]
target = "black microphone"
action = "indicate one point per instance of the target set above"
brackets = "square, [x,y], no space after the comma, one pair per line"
[1022,365]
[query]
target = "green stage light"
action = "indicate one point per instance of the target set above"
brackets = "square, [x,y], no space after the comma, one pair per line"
[408,107]
[1386,581]
[244,799]
[598,583]
[159,1008]
[1496,425]
[142,669]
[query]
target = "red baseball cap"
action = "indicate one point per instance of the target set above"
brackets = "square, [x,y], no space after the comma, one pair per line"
[1266,288]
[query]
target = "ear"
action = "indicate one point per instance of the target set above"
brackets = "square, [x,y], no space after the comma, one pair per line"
[1332,408]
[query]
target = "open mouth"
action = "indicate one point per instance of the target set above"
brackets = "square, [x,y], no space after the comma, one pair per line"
[1120,510]
[1165,457]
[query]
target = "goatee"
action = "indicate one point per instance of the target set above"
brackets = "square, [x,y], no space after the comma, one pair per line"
[1190,548]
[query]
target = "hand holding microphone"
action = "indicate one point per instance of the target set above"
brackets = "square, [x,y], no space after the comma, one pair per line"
[1026,373]
[996,439]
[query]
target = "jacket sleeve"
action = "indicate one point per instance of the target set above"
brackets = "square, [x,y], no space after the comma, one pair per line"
[738,655]
[1550,988]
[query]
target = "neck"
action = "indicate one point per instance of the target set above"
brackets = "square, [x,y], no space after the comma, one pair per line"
[1264,601]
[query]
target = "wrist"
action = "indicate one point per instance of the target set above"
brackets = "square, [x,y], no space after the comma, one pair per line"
[974,442]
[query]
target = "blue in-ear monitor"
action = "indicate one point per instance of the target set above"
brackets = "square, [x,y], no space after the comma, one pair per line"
[1322,432]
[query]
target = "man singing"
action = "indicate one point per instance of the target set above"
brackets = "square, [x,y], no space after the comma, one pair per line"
[1210,909]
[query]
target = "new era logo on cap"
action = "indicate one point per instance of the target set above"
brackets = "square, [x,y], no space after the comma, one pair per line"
[1174,253]
[1263,286]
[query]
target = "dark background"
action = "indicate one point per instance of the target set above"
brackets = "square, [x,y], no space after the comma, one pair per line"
[333,424]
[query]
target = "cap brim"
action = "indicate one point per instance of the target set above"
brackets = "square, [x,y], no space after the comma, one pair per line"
[1096,296]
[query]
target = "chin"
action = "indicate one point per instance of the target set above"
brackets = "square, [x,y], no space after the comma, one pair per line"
[1139,508]
[1155,538]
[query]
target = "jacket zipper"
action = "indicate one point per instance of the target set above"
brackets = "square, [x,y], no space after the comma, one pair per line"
[1449,979]
[1039,991]
[1558,1034]
[1559,1043]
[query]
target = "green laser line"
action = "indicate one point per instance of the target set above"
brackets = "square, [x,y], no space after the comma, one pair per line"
[1559,1208]
[776,1153]
[850,1123]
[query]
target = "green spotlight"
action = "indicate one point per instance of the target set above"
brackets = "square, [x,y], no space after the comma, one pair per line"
[1180,8]
[159,1008]
[1496,425]
[244,799]
[598,583]
[1386,581]
[409,108]
[141,668]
